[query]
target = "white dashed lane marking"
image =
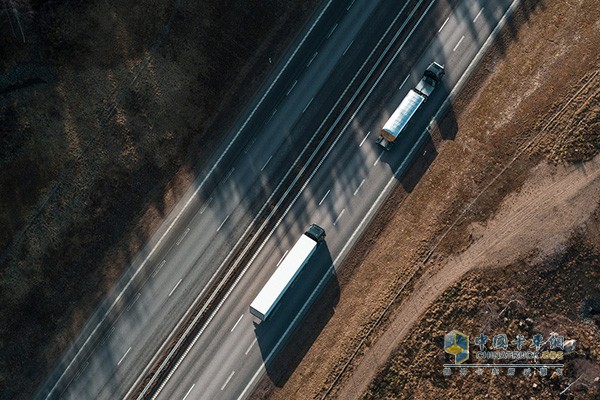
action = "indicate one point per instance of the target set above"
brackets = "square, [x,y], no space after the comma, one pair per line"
[339,216]
[172,290]
[358,188]
[124,355]
[324,197]
[459,42]
[222,223]
[443,25]
[228,379]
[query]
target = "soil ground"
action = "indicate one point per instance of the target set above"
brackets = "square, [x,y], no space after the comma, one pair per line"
[559,293]
[107,111]
[508,191]
[542,252]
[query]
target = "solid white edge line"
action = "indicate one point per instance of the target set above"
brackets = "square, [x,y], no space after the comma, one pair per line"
[309,301]
[254,138]
[461,82]
[384,193]
[82,369]
[228,175]
[300,314]
[306,183]
[133,302]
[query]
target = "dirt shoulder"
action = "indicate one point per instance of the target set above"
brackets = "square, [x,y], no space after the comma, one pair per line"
[108,110]
[525,296]
[539,78]
[530,228]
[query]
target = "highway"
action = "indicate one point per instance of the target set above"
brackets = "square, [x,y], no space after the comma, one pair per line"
[341,79]
[229,356]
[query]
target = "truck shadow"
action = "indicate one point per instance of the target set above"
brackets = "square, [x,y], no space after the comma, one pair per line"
[417,146]
[303,311]
[448,124]
[418,166]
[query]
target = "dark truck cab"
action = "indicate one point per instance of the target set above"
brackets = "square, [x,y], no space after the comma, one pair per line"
[316,233]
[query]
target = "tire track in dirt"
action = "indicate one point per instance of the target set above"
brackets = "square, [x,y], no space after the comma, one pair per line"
[554,200]
[532,143]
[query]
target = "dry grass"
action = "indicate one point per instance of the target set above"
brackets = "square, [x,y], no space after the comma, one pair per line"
[105,118]
[547,296]
[533,69]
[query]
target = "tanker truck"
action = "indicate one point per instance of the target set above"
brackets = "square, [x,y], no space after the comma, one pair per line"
[409,105]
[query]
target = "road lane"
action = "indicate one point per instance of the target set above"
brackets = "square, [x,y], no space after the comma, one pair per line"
[149,314]
[347,167]
[144,315]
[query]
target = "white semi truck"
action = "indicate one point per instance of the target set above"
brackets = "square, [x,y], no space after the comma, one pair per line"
[289,268]
[409,105]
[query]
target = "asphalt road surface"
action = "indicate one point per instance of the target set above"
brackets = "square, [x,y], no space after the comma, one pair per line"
[343,77]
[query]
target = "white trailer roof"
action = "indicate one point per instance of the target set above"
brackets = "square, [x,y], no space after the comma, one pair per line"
[403,113]
[284,275]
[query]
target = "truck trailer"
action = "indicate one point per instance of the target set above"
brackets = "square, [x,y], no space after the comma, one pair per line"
[409,105]
[289,268]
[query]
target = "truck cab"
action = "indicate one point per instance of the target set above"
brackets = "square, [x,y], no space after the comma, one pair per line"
[435,70]
[433,74]
[316,233]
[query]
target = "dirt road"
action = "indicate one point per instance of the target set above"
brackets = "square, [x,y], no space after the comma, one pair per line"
[537,84]
[540,219]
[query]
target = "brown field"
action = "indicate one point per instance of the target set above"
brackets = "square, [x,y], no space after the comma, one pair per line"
[559,293]
[107,111]
[508,209]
